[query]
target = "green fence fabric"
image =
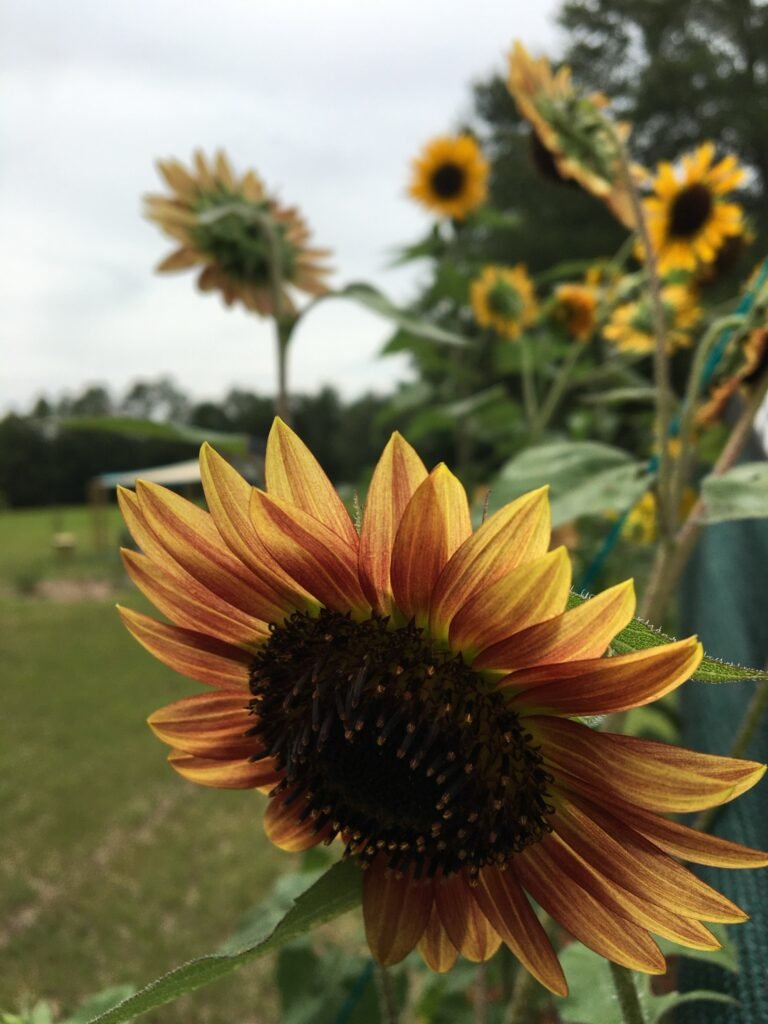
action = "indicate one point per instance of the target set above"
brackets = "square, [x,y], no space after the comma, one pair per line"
[724,598]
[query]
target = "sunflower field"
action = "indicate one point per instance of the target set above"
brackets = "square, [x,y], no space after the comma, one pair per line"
[477,737]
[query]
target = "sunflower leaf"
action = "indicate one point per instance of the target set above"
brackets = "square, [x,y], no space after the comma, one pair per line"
[639,635]
[377,302]
[741,493]
[336,892]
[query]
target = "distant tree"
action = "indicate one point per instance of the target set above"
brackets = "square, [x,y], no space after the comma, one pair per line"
[157,400]
[94,401]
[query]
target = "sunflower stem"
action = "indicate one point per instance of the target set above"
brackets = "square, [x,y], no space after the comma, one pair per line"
[283,335]
[749,723]
[627,994]
[518,1007]
[386,993]
[530,401]
[672,559]
[555,393]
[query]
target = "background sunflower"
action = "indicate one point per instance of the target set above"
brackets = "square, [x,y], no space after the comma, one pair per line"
[450,176]
[503,298]
[630,327]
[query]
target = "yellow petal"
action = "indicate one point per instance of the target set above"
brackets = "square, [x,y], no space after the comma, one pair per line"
[214,724]
[436,948]
[228,774]
[395,479]
[435,523]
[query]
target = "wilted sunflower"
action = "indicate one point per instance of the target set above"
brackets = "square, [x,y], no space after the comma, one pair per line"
[504,299]
[450,176]
[631,327]
[233,229]
[570,128]
[412,690]
[752,363]
[689,220]
[576,307]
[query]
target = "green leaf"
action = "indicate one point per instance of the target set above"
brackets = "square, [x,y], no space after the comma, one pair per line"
[585,478]
[621,396]
[338,891]
[725,958]
[741,493]
[639,635]
[99,1003]
[376,301]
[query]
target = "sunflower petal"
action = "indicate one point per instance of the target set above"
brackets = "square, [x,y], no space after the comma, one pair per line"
[396,911]
[581,632]
[603,686]
[283,828]
[532,592]
[295,476]
[195,655]
[211,725]
[467,926]
[618,852]
[237,774]
[317,558]
[436,948]
[197,609]
[588,920]
[395,479]
[435,523]
[517,533]
[602,760]
[504,903]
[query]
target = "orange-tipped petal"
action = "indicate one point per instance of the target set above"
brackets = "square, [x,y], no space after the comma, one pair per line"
[621,854]
[582,632]
[517,533]
[229,499]
[190,536]
[435,523]
[690,844]
[283,828]
[198,610]
[316,557]
[602,760]
[436,948]
[396,910]
[467,926]
[558,859]
[237,774]
[588,920]
[397,475]
[195,655]
[295,476]
[605,685]
[505,905]
[533,592]
[211,725]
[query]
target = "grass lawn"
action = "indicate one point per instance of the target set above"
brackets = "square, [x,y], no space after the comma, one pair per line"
[112,868]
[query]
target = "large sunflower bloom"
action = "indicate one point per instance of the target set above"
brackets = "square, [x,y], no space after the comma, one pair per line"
[235,231]
[570,129]
[412,690]
[450,176]
[630,328]
[504,299]
[689,220]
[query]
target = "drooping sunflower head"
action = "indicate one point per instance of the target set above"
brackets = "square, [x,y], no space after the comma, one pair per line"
[411,690]
[247,244]
[631,329]
[572,138]
[744,366]
[504,299]
[576,307]
[450,176]
[689,217]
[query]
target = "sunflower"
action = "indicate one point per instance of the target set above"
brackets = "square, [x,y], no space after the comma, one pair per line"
[504,299]
[641,523]
[571,135]
[235,231]
[752,364]
[576,307]
[412,690]
[689,220]
[631,329]
[450,176]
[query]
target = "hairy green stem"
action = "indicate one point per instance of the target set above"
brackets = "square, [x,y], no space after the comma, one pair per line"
[627,994]
[386,993]
[518,1008]
[530,401]
[481,994]
[555,393]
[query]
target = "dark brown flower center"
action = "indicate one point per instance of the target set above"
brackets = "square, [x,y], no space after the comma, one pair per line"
[448,180]
[689,211]
[396,745]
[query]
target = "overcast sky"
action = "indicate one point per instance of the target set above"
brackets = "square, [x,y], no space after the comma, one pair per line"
[327,99]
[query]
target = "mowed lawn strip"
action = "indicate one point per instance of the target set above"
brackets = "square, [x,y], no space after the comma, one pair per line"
[112,868]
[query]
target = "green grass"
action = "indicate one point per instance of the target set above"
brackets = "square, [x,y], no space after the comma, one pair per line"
[112,868]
